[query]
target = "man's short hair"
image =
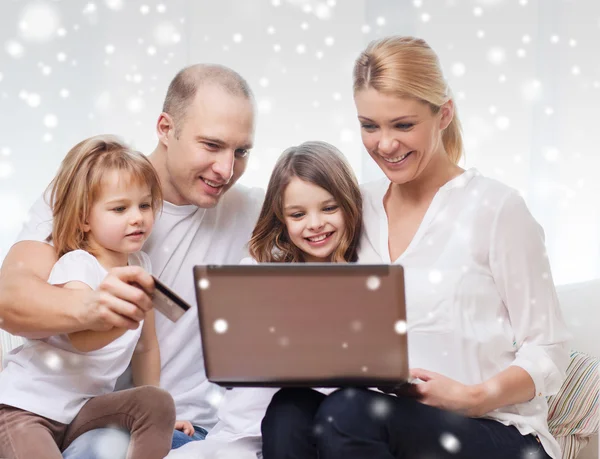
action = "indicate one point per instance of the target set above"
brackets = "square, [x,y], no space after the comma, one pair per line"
[184,86]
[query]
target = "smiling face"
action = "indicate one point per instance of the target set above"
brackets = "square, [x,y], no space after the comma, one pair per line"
[208,151]
[120,219]
[402,135]
[313,219]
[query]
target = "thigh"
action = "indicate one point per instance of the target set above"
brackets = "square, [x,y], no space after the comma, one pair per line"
[26,435]
[408,429]
[288,429]
[99,444]
[124,409]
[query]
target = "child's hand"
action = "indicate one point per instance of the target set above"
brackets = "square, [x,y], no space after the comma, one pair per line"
[185,426]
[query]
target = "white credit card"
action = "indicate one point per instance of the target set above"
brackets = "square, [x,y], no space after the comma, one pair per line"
[168,302]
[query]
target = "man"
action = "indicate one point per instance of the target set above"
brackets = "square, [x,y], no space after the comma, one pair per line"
[205,133]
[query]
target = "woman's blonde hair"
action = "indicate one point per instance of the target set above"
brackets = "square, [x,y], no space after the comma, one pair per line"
[323,165]
[79,182]
[408,67]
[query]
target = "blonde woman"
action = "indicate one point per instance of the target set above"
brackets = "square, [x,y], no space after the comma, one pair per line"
[487,342]
[104,199]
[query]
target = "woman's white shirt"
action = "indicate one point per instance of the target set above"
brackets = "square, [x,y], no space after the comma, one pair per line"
[479,292]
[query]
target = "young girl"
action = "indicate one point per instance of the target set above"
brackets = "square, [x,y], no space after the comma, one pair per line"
[312,210]
[104,199]
[312,213]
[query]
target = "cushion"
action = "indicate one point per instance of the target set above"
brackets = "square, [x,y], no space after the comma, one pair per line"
[573,414]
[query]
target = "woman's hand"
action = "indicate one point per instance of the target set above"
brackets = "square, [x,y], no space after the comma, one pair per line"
[186,427]
[445,393]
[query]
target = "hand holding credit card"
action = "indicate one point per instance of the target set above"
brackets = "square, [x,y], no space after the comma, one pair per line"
[167,301]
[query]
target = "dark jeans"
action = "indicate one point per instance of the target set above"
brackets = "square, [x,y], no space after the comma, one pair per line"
[358,423]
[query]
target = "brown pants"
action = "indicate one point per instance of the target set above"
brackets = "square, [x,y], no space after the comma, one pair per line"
[147,413]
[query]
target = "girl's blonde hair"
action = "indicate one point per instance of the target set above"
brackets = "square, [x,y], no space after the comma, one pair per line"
[323,165]
[79,182]
[408,67]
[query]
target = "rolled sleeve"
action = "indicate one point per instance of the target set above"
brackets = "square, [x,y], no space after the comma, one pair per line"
[522,274]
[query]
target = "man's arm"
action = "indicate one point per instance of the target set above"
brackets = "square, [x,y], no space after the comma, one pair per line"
[31,307]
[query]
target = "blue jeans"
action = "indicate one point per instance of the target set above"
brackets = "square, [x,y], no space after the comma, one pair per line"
[358,423]
[180,439]
[112,443]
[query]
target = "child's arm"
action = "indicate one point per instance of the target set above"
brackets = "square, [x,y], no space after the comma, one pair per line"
[89,340]
[145,363]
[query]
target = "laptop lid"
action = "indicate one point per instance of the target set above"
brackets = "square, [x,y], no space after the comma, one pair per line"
[303,324]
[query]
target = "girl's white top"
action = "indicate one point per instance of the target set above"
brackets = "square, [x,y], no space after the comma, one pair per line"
[479,292]
[51,378]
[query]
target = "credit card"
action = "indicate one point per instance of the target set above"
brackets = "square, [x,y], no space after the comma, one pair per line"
[168,302]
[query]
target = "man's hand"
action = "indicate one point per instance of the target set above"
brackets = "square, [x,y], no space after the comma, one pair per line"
[116,303]
[186,427]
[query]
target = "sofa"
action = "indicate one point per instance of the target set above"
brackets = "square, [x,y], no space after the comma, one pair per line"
[574,412]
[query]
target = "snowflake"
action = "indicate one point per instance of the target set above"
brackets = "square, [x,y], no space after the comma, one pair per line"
[373,282]
[220,326]
[458,69]
[435,276]
[450,443]
[400,327]
[112,443]
[14,49]
[496,55]
[38,22]
[50,121]
[381,407]
[114,4]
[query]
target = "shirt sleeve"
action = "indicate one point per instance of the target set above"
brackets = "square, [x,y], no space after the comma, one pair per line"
[38,225]
[77,265]
[521,271]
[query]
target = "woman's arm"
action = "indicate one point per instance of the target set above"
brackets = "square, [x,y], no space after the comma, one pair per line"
[145,363]
[509,387]
[521,271]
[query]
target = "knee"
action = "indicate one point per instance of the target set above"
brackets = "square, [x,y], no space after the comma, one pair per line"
[156,404]
[353,411]
[289,410]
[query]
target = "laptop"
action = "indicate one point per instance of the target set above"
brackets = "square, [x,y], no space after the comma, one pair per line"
[303,324]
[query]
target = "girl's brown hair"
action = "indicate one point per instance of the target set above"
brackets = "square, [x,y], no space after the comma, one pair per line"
[79,182]
[323,165]
[408,67]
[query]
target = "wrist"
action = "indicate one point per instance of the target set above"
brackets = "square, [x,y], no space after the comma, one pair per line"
[479,396]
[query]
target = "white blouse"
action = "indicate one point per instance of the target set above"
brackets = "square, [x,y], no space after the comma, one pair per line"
[479,292]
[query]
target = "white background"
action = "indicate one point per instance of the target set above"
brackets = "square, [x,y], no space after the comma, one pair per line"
[525,73]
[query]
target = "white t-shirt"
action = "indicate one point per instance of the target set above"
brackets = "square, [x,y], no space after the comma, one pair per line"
[479,292]
[184,236]
[51,378]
